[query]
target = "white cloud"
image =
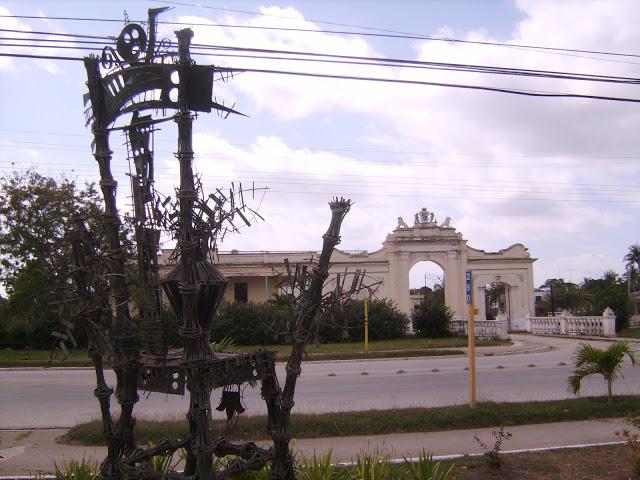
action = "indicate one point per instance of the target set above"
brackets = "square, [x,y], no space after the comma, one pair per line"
[497,164]
[13,64]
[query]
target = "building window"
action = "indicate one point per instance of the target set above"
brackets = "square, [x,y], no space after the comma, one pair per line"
[241,292]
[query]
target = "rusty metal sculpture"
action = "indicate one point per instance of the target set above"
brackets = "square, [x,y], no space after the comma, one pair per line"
[141,75]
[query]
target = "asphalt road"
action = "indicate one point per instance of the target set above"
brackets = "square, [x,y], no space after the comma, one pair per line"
[62,398]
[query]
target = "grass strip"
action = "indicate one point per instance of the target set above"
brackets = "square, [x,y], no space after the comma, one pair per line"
[629,333]
[42,358]
[405,347]
[375,422]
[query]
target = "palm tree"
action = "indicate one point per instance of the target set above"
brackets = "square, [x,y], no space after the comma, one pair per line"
[588,360]
[633,260]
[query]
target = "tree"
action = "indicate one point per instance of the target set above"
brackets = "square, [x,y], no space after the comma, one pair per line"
[431,317]
[385,322]
[632,259]
[633,256]
[35,212]
[495,299]
[562,295]
[588,360]
[608,291]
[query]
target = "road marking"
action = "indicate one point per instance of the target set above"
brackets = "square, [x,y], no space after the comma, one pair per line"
[8,453]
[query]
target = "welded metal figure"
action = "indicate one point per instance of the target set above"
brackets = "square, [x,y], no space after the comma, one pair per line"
[140,75]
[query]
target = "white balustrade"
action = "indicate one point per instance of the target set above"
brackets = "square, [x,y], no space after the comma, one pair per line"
[483,328]
[567,324]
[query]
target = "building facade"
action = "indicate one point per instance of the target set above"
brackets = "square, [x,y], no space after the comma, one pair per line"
[257,276]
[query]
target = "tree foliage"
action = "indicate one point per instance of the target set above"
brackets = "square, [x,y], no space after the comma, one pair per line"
[588,360]
[255,323]
[35,212]
[590,297]
[252,323]
[386,322]
[431,317]
[632,262]
[495,299]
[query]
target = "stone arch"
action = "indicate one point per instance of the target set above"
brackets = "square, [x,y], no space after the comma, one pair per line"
[415,284]
[427,240]
[516,295]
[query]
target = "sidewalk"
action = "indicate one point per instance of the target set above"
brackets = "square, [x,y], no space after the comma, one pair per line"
[26,454]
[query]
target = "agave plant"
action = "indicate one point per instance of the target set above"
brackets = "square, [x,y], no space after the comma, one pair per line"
[224,345]
[318,468]
[166,463]
[76,470]
[426,468]
[372,466]
[588,360]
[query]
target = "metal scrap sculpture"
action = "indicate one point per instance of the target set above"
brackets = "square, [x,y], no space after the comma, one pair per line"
[141,74]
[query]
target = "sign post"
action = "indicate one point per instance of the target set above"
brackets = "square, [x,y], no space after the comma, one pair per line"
[471,327]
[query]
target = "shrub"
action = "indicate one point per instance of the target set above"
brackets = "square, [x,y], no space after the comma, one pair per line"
[386,322]
[251,323]
[431,318]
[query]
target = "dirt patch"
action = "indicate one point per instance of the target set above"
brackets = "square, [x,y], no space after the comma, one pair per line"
[612,463]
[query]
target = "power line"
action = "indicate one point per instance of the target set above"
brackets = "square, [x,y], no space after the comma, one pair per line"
[463,193]
[396,62]
[528,93]
[41,57]
[57,34]
[289,176]
[55,47]
[400,62]
[447,162]
[55,40]
[368,61]
[343,32]
[354,150]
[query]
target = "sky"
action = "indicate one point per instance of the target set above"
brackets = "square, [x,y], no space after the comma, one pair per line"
[559,175]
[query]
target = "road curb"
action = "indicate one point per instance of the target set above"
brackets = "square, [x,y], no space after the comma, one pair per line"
[457,456]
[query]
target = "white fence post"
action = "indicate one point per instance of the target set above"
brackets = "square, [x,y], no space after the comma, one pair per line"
[609,322]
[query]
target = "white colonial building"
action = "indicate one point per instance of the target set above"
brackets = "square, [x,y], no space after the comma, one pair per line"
[257,276]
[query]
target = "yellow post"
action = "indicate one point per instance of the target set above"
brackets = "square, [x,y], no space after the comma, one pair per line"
[472,356]
[366,326]
[471,340]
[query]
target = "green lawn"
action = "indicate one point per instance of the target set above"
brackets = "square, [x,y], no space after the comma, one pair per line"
[42,358]
[374,422]
[402,344]
[406,347]
[629,333]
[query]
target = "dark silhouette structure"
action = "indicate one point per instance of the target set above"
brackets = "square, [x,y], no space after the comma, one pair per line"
[142,74]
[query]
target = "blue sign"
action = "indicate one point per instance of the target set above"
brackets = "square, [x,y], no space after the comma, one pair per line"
[469,291]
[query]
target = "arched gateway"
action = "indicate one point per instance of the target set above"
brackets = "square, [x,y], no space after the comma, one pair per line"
[257,276]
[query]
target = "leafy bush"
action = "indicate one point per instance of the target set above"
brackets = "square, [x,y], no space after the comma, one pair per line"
[386,322]
[431,318]
[251,323]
